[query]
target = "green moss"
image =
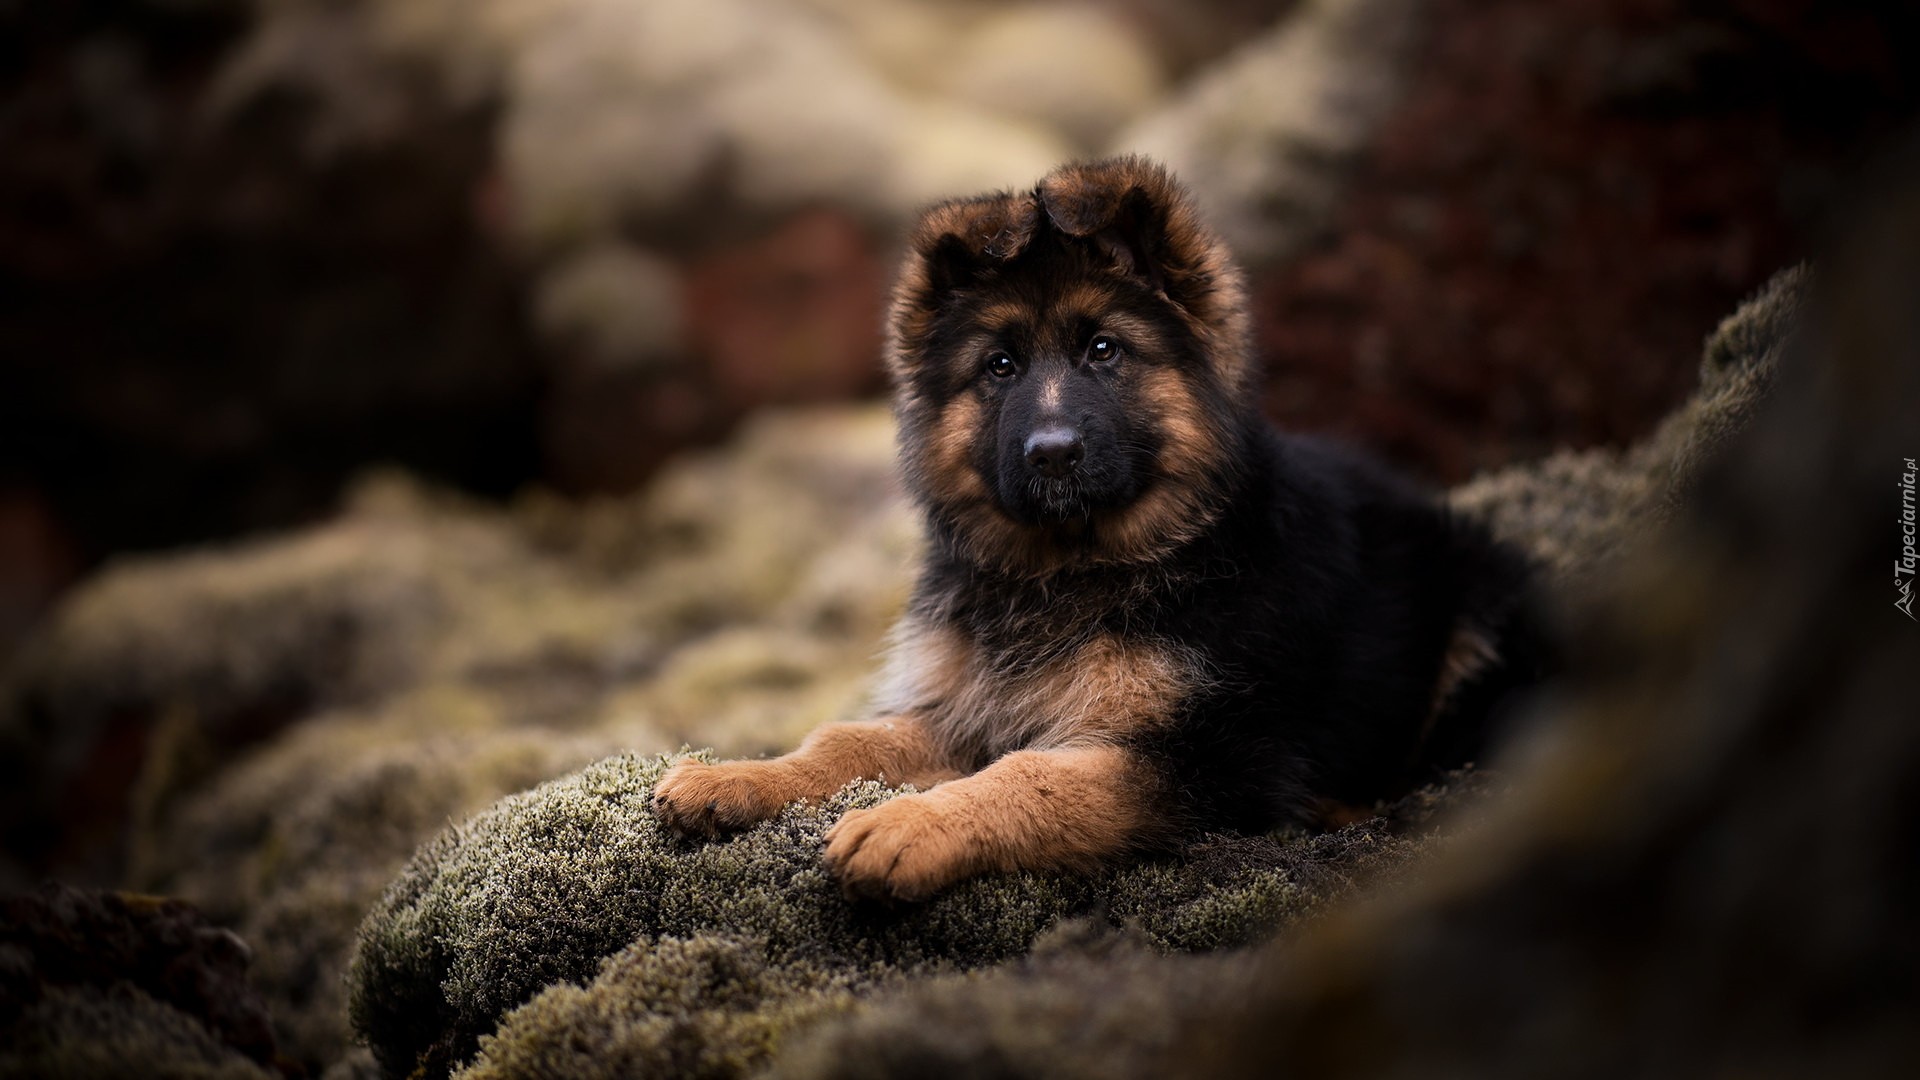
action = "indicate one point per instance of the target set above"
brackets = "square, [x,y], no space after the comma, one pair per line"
[710,1006]
[538,890]
[1737,373]
[1755,333]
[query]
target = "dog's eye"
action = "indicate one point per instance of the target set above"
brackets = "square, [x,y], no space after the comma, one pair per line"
[1000,365]
[1103,348]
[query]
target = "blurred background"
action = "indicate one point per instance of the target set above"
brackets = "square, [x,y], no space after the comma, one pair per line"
[250,248]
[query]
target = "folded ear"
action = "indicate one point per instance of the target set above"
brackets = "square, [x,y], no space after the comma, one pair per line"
[957,240]
[1140,216]
[953,244]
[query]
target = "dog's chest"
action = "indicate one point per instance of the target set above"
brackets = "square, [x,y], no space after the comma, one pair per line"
[988,694]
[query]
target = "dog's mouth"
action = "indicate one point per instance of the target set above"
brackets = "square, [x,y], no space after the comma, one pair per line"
[1057,500]
[1047,501]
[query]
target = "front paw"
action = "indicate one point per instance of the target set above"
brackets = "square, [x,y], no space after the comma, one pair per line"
[905,849]
[695,798]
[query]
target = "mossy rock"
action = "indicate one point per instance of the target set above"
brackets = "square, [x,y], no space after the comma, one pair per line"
[1581,514]
[541,889]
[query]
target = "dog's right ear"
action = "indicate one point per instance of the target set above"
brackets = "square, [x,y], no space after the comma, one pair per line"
[957,241]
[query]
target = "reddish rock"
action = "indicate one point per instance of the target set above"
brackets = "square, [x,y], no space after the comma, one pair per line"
[792,316]
[1567,200]
[607,431]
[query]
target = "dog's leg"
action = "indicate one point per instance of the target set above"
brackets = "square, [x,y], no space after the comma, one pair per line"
[695,797]
[1066,808]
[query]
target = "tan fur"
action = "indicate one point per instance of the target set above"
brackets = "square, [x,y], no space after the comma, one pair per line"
[1102,689]
[1001,317]
[1468,654]
[1190,451]
[1077,298]
[1106,688]
[1066,808]
[994,539]
[1181,504]
[950,463]
[1156,523]
[927,666]
[998,226]
[697,797]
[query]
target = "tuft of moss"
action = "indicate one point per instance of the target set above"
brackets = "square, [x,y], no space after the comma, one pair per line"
[1737,372]
[1087,1002]
[539,890]
[706,1007]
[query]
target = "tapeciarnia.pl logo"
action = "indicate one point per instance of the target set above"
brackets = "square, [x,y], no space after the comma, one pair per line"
[1903,567]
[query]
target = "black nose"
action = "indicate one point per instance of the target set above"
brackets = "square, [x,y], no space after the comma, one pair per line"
[1054,451]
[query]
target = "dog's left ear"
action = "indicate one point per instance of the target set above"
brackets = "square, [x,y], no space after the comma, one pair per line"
[1133,210]
[1141,217]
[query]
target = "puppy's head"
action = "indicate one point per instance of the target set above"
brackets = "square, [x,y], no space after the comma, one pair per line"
[1071,369]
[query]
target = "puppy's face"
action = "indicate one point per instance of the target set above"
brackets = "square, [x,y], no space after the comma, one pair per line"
[1059,369]
[1070,369]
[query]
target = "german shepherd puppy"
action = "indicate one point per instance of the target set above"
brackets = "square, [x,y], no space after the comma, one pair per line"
[1144,612]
